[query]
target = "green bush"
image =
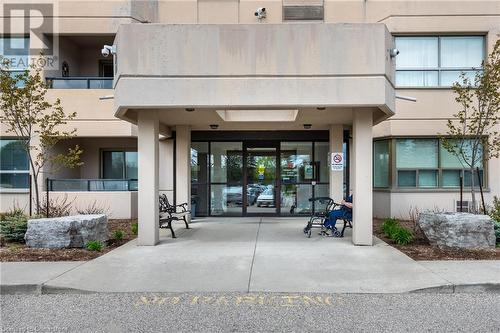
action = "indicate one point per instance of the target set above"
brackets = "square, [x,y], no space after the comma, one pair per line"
[402,236]
[118,235]
[13,227]
[94,246]
[393,230]
[497,231]
[134,228]
[389,226]
[495,210]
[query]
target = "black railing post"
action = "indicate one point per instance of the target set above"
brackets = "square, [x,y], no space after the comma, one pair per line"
[481,189]
[31,193]
[47,195]
[461,193]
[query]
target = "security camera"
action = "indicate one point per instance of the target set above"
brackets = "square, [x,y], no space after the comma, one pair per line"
[107,50]
[393,52]
[260,13]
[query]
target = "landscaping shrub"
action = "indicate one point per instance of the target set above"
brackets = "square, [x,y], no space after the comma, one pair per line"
[402,236]
[495,210]
[13,227]
[94,246]
[134,228]
[93,208]
[118,235]
[393,230]
[389,226]
[57,207]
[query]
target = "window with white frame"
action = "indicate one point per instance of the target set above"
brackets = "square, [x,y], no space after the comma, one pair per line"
[14,165]
[425,163]
[16,51]
[433,61]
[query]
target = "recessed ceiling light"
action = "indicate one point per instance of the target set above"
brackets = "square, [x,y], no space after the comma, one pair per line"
[321,108]
[307,126]
[189,109]
[214,126]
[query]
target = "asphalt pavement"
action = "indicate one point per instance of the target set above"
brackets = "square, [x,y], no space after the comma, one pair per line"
[242,312]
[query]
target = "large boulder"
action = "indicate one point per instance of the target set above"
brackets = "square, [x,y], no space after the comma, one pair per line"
[66,232]
[458,230]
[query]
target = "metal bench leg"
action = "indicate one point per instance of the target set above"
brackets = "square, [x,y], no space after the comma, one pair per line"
[171,229]
[185,221]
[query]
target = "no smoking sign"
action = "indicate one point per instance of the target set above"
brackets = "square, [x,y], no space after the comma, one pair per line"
[337,161]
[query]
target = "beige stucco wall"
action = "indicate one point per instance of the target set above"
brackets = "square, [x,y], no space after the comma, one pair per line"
[117,204]
[425,117]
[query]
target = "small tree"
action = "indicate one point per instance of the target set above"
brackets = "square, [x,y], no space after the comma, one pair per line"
[473,135]
[35,121]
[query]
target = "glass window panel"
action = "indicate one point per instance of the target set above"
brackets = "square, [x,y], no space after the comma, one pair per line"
[416,78]
[226,162]
[322,190]
[448,78]
[16,50]
[321,150]
[131,164]
[450,160]
[407,178]
[199,197]
[428,178]
[462,51]
[14,180]
[451,178]
[226,200]
[381,163]
[13,155]
[199,162]
[417,52]
[416,153]
[69,185]
[467,178]
[69,84]
[295,158]
[100,84]
[296,196]
[113,164]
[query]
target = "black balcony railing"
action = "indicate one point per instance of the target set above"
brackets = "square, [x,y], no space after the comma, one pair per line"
[77,82]
[90,185]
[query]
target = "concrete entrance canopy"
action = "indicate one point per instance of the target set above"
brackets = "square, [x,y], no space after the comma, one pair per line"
[325,75]
[254,66]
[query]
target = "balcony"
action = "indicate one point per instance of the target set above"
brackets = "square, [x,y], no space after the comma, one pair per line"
[91,185]
[79,82]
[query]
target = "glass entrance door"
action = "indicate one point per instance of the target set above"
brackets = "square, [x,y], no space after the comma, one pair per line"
[261,180]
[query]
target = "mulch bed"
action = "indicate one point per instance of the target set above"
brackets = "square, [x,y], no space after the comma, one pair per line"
[420,249]
[20,252]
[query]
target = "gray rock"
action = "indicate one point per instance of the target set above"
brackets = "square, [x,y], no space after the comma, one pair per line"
[458,230]
[66,232]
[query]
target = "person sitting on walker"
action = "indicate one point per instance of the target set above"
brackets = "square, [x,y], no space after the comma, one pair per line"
[345,212]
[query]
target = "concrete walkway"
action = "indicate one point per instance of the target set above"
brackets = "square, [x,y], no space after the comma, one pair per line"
[262,255]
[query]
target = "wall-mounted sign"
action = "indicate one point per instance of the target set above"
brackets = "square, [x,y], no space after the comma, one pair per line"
[337,161]
[308,171]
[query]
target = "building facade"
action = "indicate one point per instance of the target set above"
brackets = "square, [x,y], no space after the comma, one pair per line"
[241,113]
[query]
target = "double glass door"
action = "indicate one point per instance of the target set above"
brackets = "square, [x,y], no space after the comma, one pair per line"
[261,195]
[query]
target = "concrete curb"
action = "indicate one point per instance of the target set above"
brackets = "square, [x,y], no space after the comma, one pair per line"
[42,289]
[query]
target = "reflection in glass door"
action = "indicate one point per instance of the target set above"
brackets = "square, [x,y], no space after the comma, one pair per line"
[261,175]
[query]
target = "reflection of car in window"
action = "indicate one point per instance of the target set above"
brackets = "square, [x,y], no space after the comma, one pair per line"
[266,198]
[234,195]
